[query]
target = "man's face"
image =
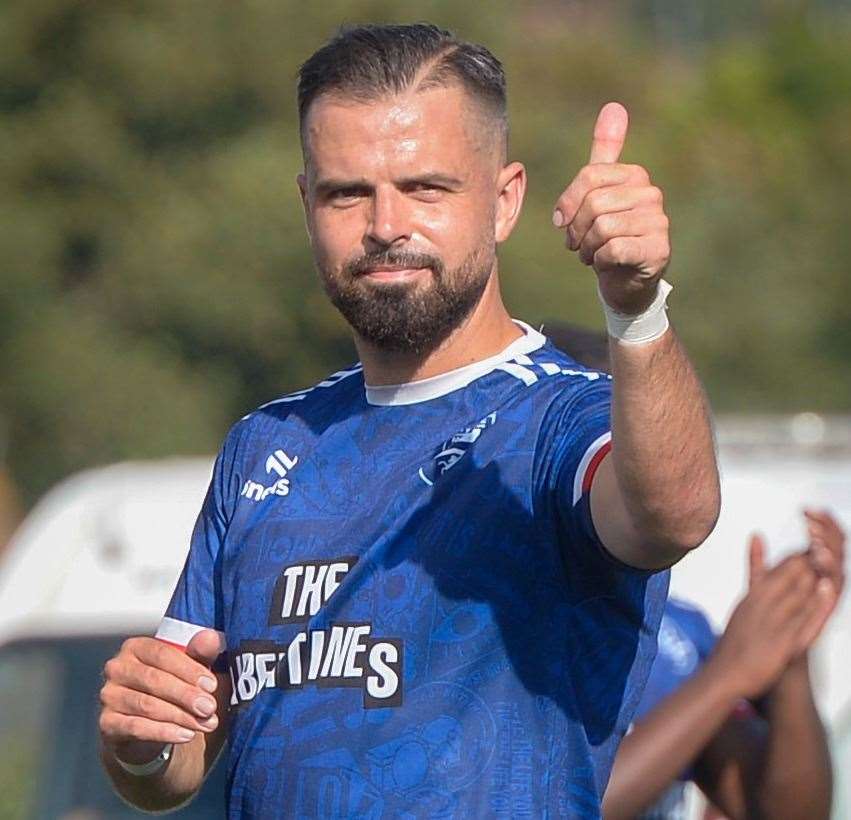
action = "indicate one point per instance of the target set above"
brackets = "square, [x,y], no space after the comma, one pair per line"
[400,197]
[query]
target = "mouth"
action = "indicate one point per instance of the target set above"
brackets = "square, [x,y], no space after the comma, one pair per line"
[391,273]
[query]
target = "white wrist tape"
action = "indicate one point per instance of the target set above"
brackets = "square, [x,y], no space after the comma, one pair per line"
[643,327]
[152,767]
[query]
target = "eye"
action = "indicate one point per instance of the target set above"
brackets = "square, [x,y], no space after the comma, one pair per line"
[428,191]
[345,196]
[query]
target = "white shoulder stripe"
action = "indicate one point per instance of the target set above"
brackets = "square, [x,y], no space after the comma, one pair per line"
[298,395]
[525,375]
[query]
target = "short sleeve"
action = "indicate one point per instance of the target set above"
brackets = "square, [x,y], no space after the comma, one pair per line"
[575,438]
[196,603]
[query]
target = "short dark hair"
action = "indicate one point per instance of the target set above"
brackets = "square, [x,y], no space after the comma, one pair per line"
[370,61]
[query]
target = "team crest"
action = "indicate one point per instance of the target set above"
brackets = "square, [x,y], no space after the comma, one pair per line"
[452,450]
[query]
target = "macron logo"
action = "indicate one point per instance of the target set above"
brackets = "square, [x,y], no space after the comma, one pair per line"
[278,464]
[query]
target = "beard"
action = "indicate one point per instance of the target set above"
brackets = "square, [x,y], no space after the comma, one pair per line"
[402,317]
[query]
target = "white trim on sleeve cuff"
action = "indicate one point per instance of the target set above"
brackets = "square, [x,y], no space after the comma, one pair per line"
[179,633]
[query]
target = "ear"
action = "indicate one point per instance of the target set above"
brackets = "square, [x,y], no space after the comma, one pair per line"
[301,181]
[511,191]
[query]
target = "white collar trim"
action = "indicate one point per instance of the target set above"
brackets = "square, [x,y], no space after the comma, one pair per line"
[436,386]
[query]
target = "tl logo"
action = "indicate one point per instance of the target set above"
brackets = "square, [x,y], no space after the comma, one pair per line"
[277,464]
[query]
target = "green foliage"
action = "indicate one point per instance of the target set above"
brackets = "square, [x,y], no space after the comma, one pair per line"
[156,279]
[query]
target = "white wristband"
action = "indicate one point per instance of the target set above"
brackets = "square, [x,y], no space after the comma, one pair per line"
[643,327]
[152,767]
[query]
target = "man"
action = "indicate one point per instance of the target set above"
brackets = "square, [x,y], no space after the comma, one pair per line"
[433,572]
[695,720]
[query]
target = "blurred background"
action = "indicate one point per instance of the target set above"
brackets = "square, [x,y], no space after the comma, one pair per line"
[156,285]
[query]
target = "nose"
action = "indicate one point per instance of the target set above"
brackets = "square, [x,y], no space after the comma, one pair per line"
[390,219]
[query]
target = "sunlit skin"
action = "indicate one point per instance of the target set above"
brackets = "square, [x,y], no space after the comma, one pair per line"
[420,171]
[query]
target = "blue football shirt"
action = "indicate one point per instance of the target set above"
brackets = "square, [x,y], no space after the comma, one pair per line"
[417,615]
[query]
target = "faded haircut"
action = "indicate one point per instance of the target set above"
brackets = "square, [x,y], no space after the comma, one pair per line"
[372,61]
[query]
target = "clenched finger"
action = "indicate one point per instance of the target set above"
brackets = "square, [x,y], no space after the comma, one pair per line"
[115,727]
[613,199]
[626,223]
[590,178]
[131,702]
[162,685]
[153,652]
[648,253]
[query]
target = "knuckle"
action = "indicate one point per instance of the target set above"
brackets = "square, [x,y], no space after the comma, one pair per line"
[149,677]
[606,225]
[129,646]
[106,723]
[156,652]
[656,195]
[105,694]
[143,705]
[640,174]
[616,249]
[110,668]
[596,200]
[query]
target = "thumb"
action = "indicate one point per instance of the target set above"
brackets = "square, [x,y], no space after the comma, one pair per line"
[756,554]
[205,647]
[609,133]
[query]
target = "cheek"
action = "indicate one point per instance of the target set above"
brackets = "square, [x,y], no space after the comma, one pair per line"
[336,234]
[456,230]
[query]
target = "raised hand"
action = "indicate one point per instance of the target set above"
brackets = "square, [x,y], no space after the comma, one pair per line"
[769,627]
[614,217]
[154,693]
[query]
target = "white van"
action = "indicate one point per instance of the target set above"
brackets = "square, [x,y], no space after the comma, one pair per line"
[97,559]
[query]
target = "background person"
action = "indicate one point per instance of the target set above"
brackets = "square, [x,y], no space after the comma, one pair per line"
[696,721]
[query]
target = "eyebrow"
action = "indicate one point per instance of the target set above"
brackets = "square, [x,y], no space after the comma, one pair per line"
[326,186]
[435,177]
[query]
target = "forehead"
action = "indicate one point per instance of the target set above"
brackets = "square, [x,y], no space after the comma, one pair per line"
[413,128]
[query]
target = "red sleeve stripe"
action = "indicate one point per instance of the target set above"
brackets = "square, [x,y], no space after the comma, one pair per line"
[588,465]
[179,633]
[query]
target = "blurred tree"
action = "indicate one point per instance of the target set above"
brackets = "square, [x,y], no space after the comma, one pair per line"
[156,280]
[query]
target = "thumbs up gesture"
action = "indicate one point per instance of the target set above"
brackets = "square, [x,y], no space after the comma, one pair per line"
[613,216]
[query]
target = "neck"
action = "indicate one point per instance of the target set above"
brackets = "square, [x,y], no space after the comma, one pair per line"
[487,330]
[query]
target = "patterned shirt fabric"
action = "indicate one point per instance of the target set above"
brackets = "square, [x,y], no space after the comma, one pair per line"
[416,612]
[686,640]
